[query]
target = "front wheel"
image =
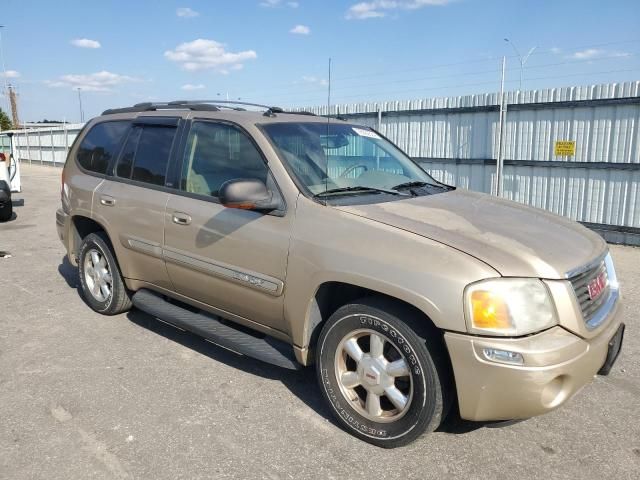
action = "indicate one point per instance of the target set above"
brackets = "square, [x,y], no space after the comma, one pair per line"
[378,375]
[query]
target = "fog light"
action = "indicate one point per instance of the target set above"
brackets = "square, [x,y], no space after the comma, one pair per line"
[503,356]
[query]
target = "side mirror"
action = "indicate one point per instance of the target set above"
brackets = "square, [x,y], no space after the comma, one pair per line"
[247,194]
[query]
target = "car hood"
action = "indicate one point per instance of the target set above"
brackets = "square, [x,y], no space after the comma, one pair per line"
[516,240]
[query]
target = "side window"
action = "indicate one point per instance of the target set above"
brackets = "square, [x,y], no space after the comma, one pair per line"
[216,153]
[145,156]
[100,145]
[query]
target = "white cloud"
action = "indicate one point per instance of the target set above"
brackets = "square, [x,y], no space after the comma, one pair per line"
[587,54]
[189,87]
[556,50]
[278,3]
[186,12]
[202,54]
[315,80]
[300,30]
[620,54]
[10,74]
[94,82]
[380,8]
[592,53]
[85,43]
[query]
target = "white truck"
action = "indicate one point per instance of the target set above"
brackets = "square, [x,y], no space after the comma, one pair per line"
[9,180]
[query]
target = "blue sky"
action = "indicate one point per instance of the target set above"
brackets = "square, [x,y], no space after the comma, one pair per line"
[276,51]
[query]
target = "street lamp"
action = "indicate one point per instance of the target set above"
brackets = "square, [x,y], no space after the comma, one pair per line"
[522,59]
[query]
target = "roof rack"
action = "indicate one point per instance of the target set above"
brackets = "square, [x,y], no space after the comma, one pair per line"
[200,105]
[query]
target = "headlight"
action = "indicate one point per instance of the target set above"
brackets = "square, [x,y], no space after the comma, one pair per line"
[509,306]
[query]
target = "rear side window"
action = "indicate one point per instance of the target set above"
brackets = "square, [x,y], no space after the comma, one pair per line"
[146,154]
[100,145]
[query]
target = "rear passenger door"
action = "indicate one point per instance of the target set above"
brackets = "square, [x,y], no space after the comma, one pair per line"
[132,200]
[233,260]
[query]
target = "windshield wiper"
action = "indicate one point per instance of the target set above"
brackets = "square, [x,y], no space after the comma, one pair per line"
[356,189]
[410,185]
[419,184]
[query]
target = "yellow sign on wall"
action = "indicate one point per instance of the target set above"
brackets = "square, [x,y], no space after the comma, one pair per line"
[565,148]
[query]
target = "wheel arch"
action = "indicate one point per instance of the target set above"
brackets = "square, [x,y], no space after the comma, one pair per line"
[80,227]
[331,295]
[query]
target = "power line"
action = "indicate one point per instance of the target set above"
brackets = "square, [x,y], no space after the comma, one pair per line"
[493,82]
[455,75]
[388,72]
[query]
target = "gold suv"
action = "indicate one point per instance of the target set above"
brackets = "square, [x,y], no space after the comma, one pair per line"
[300,240]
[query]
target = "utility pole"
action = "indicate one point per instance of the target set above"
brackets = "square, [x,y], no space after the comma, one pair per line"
[80,103]
[501,122]
[522,59]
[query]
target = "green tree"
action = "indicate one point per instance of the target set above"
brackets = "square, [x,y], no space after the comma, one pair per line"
[5,123]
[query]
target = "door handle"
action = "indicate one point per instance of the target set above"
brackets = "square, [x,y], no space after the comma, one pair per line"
[107,201]
[181,218]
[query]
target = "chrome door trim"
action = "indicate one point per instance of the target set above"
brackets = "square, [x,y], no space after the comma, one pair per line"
[141,245]
[247,278]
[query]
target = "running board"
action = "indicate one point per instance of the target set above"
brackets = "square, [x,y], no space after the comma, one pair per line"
[266,349]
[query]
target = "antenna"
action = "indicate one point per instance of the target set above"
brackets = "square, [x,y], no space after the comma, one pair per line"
[326,174]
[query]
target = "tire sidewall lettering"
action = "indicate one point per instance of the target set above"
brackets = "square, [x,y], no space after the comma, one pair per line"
[335,396]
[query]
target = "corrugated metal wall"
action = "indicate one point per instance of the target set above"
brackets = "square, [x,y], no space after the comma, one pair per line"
[48,145]
[456,140]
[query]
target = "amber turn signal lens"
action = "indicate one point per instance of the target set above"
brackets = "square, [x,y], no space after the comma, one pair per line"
[489,311]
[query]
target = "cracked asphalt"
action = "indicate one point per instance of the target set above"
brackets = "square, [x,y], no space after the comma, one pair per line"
[85,396]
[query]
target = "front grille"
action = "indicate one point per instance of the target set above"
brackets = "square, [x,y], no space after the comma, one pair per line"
[590,306]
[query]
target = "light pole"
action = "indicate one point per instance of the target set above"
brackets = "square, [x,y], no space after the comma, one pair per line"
[80,104]
[522,59]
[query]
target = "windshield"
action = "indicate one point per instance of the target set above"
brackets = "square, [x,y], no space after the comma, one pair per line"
[335,158]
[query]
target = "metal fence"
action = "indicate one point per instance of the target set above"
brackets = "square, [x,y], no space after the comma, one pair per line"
[45,146]
[456,139]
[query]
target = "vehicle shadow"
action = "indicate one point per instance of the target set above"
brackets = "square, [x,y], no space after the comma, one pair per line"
[68,272]
[302,383]
[222,224]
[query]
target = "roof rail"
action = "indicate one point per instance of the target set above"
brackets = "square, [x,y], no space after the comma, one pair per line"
[152,107]
[200,105]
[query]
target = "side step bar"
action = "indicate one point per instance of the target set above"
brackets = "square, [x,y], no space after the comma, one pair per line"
[266,349]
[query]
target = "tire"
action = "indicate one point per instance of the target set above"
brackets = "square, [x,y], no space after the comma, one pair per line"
[94,258]
[6,212]
[422,381]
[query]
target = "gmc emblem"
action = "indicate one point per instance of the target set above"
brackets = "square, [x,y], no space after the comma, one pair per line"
[596,286]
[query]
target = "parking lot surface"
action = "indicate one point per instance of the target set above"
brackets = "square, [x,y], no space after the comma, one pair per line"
[86,396]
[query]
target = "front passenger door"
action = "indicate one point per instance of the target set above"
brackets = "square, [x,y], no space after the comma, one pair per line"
[233,260]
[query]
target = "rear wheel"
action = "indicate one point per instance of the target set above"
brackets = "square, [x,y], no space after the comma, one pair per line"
[100,280]
[378,375]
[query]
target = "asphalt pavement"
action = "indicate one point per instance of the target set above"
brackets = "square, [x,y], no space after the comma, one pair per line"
[83,396]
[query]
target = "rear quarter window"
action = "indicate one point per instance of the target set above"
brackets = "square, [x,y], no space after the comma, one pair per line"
[101,145]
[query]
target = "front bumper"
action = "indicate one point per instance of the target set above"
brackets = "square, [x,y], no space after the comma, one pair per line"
[557,364]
